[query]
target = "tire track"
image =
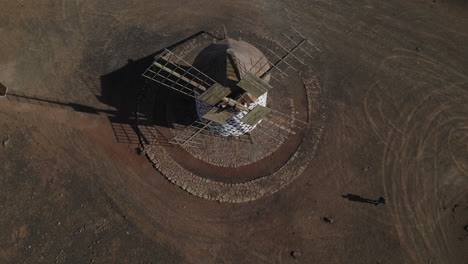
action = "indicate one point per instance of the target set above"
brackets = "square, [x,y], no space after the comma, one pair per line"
[421,172]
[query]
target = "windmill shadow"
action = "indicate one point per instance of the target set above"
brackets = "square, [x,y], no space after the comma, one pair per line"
[124,89]
[131,94]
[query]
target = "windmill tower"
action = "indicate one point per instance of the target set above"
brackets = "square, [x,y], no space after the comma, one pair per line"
[231,86]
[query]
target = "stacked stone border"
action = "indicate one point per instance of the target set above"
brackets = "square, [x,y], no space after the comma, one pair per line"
[251,190]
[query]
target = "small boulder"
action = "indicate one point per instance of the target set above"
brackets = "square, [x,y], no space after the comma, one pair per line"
[6,141]
[295,254]
[3,90]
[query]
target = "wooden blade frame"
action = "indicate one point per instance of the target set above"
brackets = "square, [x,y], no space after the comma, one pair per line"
[175,73]
[255,115]
[193,135]
[293,51]
[232,68]
[254,85]
[278,126]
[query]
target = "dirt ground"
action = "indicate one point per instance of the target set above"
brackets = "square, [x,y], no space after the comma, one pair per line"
[395,78]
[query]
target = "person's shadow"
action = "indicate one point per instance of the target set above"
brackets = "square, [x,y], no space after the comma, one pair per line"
[357,198]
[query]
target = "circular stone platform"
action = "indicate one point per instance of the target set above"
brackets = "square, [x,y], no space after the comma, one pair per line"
[233,169]
[246,149]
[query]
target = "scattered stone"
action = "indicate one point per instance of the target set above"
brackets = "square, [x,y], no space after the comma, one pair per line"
[141,150]
[328,220]
[6,141]
[3,90]
[418,49]
[295,254]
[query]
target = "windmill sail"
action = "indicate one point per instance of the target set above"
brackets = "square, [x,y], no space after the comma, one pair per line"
[277,126]
[173,72]
[193,135]
[240,106]
[293,50]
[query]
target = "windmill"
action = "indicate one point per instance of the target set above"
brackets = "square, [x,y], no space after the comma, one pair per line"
[235,103]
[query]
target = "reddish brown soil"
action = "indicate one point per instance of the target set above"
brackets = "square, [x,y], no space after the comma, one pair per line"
[395,78]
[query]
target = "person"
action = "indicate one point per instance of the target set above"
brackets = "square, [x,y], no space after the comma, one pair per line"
[381,200]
